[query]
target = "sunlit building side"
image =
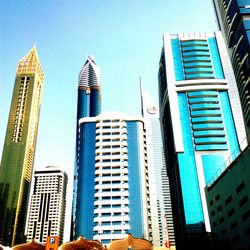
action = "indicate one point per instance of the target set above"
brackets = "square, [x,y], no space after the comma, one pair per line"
[19,149]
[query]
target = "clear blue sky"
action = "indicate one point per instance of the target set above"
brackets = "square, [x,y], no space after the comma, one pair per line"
[124,36]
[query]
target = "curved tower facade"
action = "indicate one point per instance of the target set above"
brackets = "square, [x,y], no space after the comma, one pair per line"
[19,149]
[88,105]
[89,90]
[112,189]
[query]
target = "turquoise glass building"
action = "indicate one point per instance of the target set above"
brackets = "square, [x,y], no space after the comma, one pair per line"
[201,121]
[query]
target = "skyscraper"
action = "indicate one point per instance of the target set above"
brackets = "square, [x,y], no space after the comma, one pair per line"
[112,189]
[160,200]
[201,121]
[19,149]
[47,206]
[88,105]
[233,18]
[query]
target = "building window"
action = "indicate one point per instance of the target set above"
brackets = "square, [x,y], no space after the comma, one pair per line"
[223,231]
[217,197]
[229,199]
[231,212]
[240,187]
[219,208]
[243,201]
[246,215]
[221,220]
[233,225]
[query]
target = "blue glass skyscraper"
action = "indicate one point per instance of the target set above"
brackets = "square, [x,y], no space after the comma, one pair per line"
[201,120]
[88,105]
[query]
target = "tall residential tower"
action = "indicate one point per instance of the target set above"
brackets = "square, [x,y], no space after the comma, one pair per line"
[47,206]
[201,121]
[112,189]
[19,149]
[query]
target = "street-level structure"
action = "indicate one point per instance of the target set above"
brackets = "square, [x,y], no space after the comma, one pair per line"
[229,204]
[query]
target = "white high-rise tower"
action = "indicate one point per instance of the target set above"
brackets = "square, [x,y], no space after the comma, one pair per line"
[159,192]
[47,207]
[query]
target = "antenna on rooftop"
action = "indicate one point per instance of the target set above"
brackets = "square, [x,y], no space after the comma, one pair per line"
[141,93]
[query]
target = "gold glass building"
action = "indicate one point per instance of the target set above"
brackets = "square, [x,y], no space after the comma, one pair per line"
[19,149]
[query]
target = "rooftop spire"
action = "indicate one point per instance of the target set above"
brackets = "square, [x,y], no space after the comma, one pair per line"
[30,63]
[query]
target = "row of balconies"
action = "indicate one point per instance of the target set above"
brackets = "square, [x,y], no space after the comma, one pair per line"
[104,187]
[111,212]
[101,179]
[112,170]
[111,218]
[111,202]
[112,227]
[112,192]
[112,143]
[111,165]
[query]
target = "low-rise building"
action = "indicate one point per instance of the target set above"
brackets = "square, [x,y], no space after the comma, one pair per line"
[228,199]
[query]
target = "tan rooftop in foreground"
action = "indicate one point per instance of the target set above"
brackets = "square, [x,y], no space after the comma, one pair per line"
[130,242]
[83,244]
[34,245]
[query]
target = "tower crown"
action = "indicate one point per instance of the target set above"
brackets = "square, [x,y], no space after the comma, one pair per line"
[89,76]
[30,64]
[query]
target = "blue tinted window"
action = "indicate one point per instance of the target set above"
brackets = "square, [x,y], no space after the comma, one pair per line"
[134,174]
[189,180]
[229,124]
[247,24]
[216,58]
[177,60]
[211,164]
[85,185]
